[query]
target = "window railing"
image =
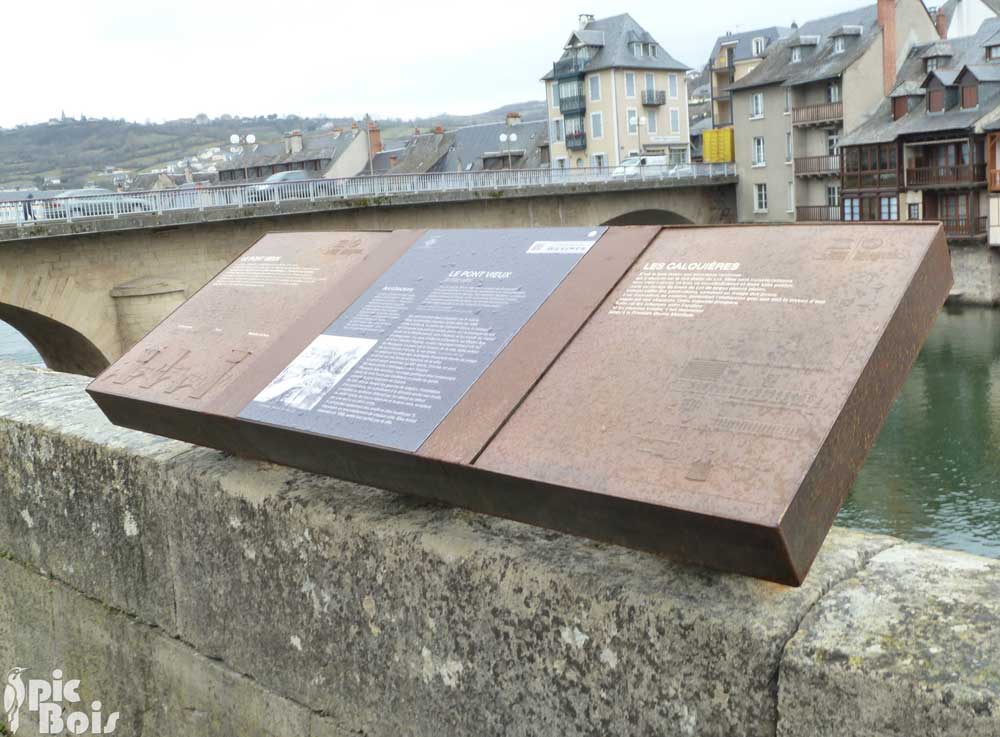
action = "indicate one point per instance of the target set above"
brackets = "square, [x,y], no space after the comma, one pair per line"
[817,213]
[572,104]
[815,165]
[654,97]
[945,175]
[570,67]
[817,113]
[576,141]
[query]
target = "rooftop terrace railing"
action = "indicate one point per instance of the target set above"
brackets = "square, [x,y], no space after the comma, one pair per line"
[116,205]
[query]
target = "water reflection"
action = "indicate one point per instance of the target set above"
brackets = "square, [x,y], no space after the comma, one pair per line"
[15,347]
[934,473]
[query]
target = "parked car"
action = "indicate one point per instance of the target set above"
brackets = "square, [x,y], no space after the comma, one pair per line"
[636,166]
[92,202]
[682,170]
[266,190]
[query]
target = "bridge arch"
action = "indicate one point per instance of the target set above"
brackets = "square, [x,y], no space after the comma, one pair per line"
[649,216]
[61,347]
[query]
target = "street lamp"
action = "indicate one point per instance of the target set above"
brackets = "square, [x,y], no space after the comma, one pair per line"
[509,139]
[237,140]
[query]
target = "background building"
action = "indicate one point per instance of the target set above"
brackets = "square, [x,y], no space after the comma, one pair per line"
[924,155]
[615,92]
[734,56]
[791,111]
[959,18]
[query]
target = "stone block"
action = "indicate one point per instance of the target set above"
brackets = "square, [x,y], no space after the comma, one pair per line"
[910,646]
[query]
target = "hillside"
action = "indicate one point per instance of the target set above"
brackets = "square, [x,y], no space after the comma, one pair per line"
[77,151]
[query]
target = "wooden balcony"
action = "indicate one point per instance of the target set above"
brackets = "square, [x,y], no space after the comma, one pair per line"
[828,112]
[817,214]
[966,227]
[946,176]
[817,166]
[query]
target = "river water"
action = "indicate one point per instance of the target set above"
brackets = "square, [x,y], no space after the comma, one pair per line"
[934,473]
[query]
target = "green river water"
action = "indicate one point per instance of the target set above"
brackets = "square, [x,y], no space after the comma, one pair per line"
[934,473]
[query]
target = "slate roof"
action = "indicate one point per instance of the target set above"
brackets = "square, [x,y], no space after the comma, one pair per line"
[985,72]
[463,149]
[938,48]
[968,51]
[617,32]
[324,146]
[818,61]
[743,48]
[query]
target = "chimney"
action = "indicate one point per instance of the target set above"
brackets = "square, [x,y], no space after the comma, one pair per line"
[293,142]
[941,21]
[374,137]
[585,18]
[887,21]
[513,118]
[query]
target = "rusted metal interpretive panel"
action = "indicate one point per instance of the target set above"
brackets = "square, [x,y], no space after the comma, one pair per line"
[706,393]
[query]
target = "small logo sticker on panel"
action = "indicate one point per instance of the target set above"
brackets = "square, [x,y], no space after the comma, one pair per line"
[560,247]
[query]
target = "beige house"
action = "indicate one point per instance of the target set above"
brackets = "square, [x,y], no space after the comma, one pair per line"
[734,56]
[790,112]
[615,93]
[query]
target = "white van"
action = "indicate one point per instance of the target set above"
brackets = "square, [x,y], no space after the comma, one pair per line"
[636,166]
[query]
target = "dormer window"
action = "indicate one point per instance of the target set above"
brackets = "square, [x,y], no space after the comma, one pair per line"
[758,46]
[796,54]
[640,49]
[900,107]
[933,63]
[993,53]
[839,44]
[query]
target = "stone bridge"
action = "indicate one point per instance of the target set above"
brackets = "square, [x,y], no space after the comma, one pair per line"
[83,291]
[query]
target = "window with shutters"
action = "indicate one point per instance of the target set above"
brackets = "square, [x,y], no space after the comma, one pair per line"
[970,96]
[899,107]
[935,101]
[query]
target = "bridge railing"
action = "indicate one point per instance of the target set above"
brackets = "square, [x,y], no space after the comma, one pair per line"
[114,205]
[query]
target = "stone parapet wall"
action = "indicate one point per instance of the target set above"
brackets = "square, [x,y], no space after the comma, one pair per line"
[203,594]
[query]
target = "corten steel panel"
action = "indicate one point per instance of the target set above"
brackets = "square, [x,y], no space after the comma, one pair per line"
[739,374]
[725,434]
[467,429]
[218,349]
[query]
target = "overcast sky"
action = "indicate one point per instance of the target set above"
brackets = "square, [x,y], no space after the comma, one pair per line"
[149,59]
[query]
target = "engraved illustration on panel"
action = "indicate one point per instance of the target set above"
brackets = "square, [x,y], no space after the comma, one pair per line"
[317,370]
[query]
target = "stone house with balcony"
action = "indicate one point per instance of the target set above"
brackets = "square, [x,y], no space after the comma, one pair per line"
[614,93]
[734,56]
[791,111]
[929,152]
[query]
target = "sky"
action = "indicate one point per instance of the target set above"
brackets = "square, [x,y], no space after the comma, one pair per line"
[154,60]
